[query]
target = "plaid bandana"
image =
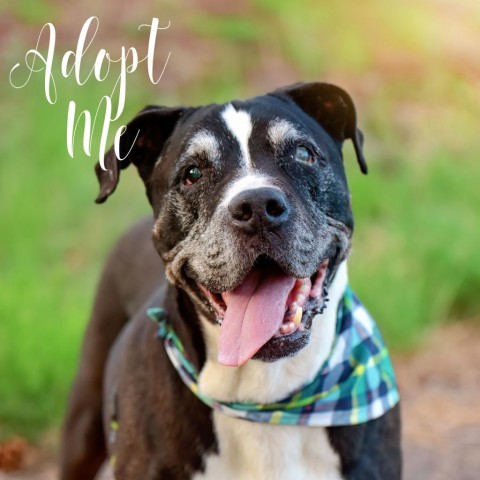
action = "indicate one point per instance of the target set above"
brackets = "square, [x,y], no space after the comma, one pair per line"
[355,384]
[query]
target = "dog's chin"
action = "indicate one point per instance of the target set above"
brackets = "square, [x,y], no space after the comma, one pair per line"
[288,345]
[306,299]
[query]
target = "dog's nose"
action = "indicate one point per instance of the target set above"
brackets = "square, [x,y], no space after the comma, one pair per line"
[268,207]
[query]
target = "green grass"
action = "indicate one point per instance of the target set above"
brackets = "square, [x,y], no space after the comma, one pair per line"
[53,241]
[34,11]
[415,261]
[416,248]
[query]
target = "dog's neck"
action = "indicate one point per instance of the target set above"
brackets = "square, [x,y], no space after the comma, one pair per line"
[262,382]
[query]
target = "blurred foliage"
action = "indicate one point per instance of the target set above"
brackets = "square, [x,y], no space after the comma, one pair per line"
[34,11]
[410,67]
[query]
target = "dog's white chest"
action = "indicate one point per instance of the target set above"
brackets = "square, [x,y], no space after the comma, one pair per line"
[258,451]
[261,451]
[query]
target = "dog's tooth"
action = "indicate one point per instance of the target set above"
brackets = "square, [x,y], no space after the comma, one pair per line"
[284,329]
[297,318]
[291,327]
[288,328]
[300,299]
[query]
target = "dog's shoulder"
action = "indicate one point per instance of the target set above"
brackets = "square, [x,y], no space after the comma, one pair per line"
[135,267]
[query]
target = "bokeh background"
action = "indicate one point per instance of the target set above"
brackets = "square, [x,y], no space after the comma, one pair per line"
[413,69]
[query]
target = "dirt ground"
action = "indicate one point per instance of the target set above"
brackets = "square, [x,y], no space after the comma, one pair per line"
[440,389]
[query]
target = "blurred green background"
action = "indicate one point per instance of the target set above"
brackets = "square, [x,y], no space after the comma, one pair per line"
[413,68]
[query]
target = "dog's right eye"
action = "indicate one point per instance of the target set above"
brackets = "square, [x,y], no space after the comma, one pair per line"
[192,175]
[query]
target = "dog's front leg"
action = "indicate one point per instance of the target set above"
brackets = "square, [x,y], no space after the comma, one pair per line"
[83,444]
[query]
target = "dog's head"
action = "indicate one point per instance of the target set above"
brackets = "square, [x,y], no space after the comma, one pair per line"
[252,209]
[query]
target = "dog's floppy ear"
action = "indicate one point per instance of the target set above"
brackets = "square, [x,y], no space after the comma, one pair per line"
[141,144]
[332,108]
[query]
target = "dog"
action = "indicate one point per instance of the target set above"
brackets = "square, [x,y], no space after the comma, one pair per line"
[252,219]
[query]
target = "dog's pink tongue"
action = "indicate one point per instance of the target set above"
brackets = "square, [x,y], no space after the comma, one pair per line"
[255,312]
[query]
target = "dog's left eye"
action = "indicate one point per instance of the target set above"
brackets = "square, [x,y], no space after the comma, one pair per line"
[304,155]
[193,174]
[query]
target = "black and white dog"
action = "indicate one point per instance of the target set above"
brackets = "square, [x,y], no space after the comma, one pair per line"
[253,222]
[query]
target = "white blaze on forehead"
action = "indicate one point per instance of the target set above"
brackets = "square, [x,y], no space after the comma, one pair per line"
[279,130]
[239,123]
[203,142]
[248,182]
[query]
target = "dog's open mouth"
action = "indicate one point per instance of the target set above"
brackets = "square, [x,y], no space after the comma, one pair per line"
[269,315]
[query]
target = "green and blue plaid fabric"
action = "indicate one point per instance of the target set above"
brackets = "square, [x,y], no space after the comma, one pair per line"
[354,385]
